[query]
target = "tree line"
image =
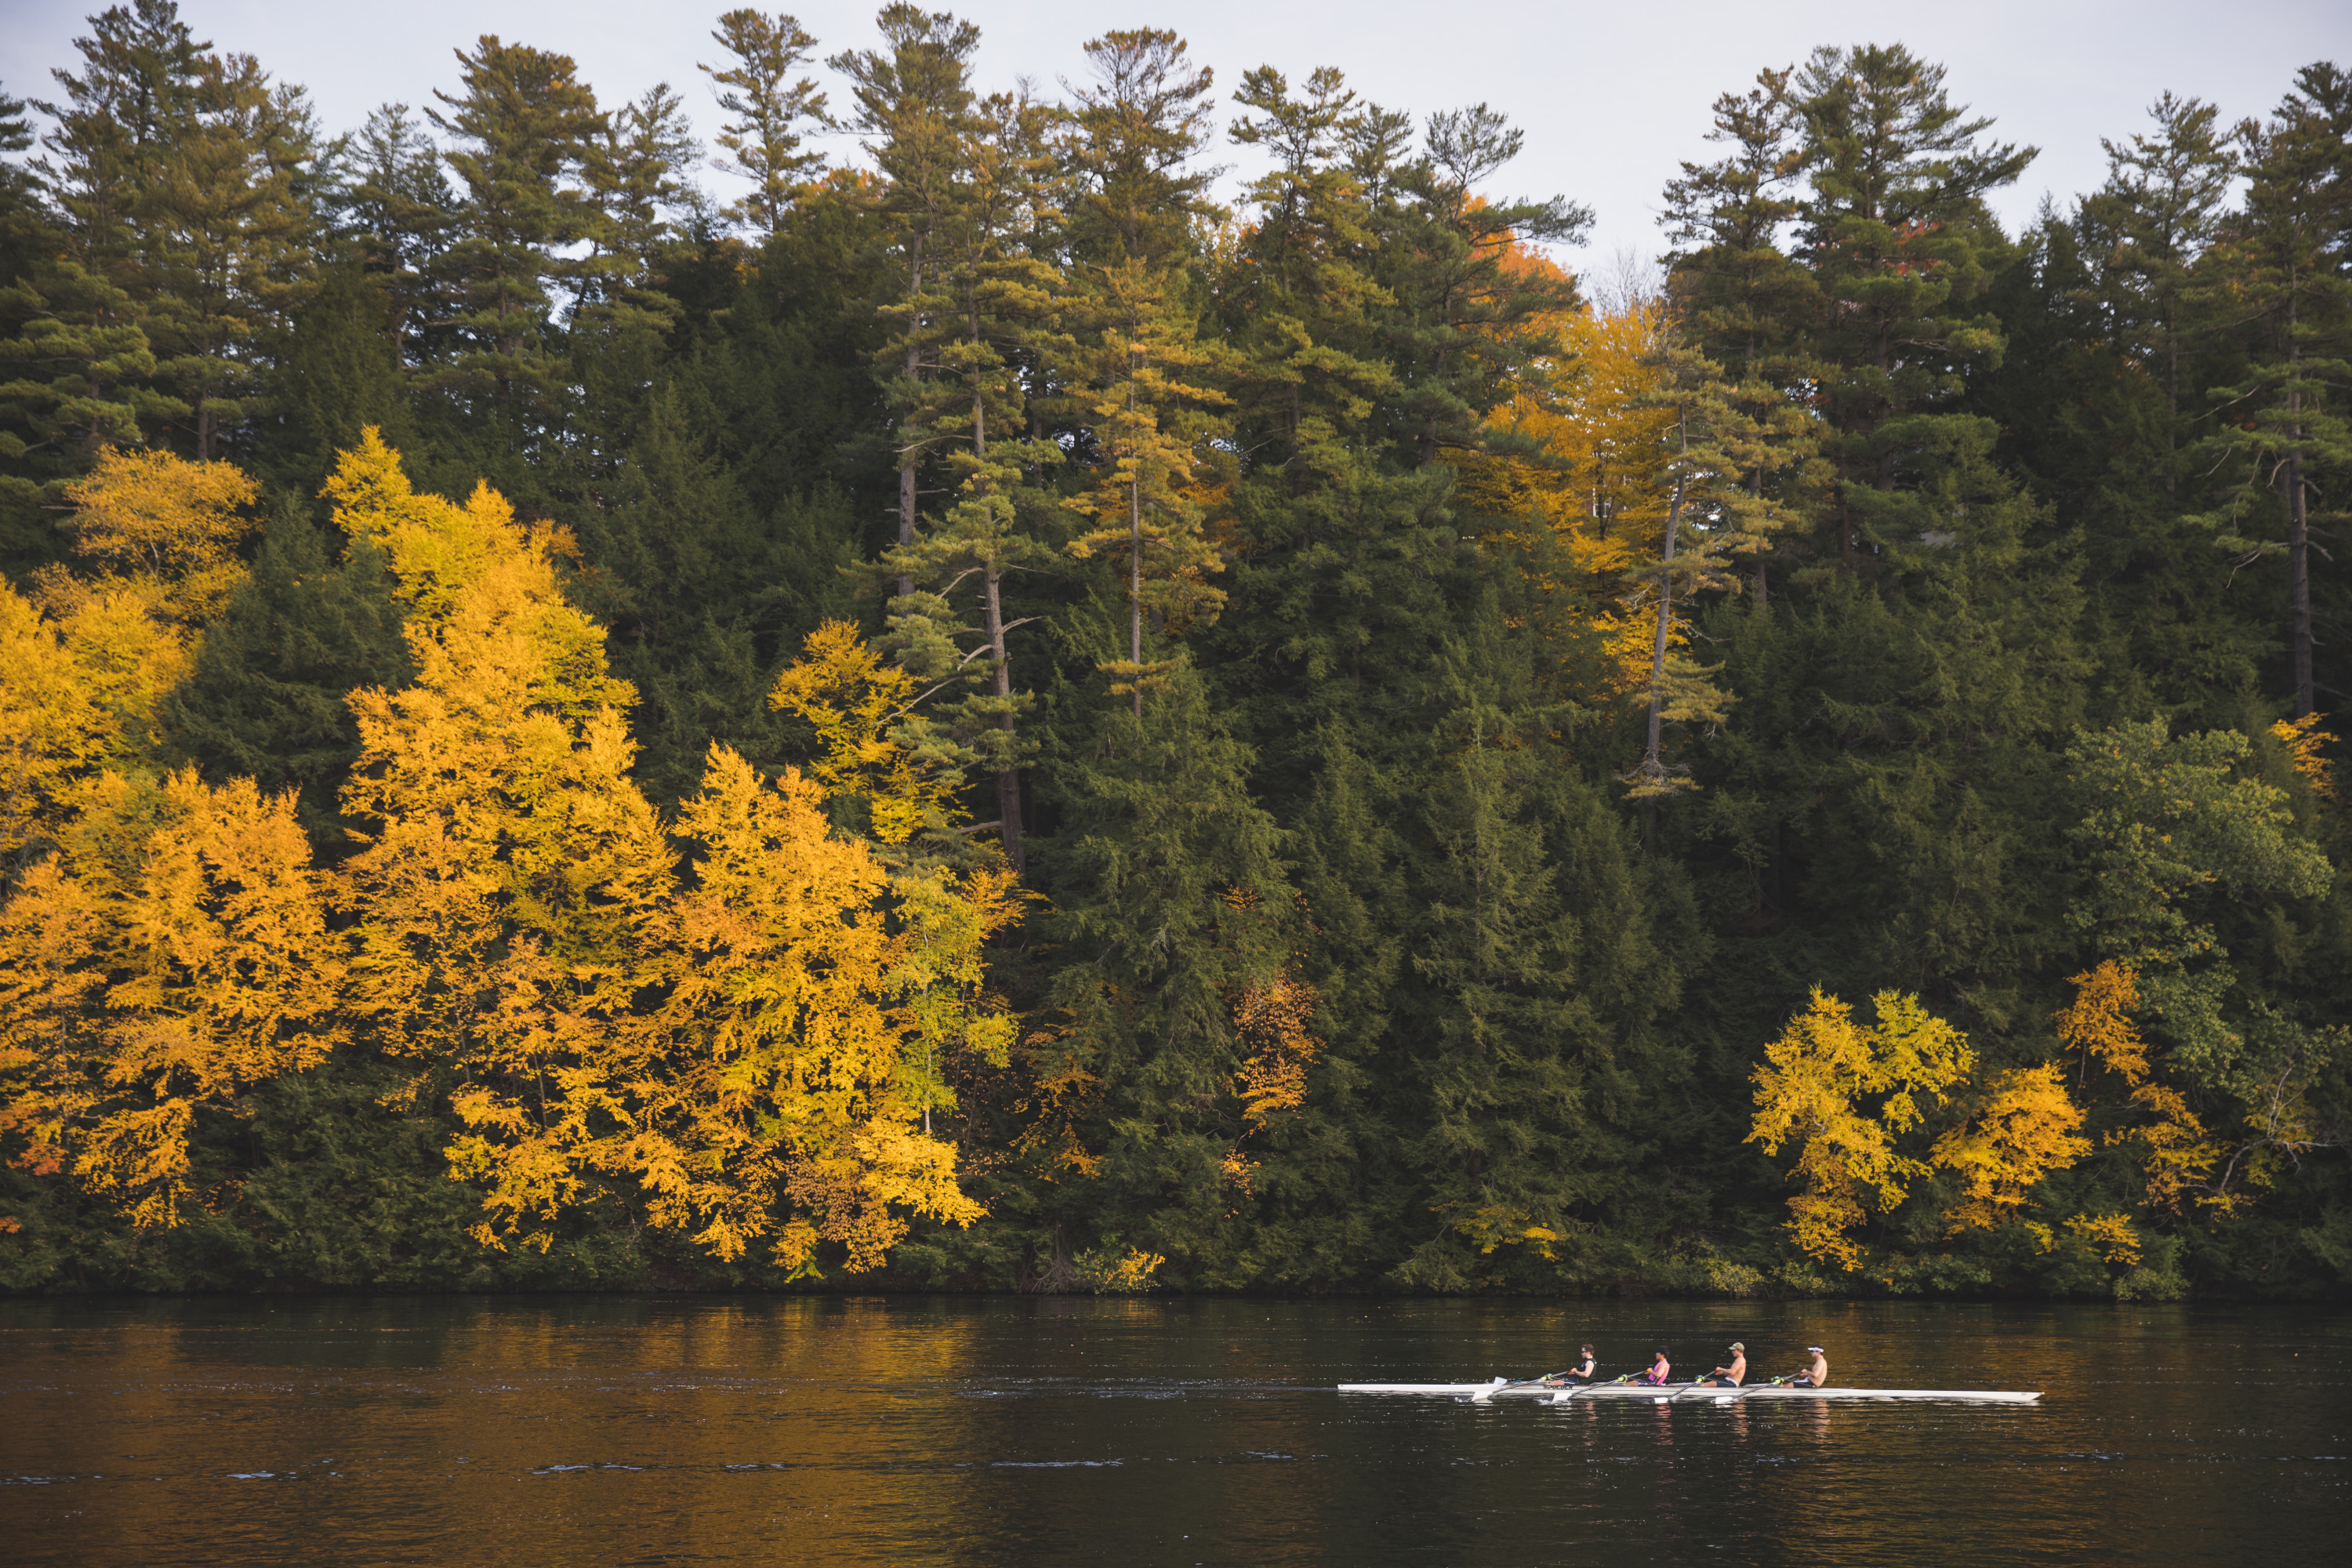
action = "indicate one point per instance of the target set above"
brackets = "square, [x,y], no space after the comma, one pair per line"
[982,717]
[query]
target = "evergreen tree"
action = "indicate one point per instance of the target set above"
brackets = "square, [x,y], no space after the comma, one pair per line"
[1170,900]
[914,100]
[266,700]
[2289,268]
[525,124]
[764,142]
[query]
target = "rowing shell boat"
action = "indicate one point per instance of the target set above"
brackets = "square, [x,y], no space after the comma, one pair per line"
[1501,1389]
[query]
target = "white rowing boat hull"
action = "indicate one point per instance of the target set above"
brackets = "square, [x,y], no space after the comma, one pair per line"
[1689,1393]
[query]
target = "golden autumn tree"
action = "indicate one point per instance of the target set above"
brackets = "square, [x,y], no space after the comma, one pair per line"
[162,526]
[1649,465]
[90,656]
[738,1051]
[2179,1155]
[173,952]
[2026,1127]
[1843,1092]
[1586,455]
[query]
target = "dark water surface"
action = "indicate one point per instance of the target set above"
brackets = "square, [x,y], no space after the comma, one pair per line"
[902,1430]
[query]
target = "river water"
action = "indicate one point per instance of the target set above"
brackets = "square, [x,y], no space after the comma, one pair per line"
[1060,1430]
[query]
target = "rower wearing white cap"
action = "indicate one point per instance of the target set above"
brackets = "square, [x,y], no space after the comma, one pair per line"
[1816,1375]
[1733,1376]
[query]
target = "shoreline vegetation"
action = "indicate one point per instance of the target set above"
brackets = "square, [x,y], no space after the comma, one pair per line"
[978,720]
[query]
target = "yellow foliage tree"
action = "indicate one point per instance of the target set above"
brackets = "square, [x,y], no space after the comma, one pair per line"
[2302,739]
[2028,1127]
[78,694]
[805,1021]
[1600,483]
[175,952]
[860,706]
[84,679]
[518,904]
[1810,1090]
[162,526]
[1649,467]
[2179,1154]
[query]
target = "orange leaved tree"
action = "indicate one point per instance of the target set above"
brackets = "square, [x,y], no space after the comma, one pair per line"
[738,1054]
[174,951]
[1842,1091]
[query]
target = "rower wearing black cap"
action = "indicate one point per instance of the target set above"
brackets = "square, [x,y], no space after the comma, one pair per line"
[1729,1376]
[1816,1375]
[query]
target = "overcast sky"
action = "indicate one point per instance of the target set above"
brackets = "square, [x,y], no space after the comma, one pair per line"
[1610,96]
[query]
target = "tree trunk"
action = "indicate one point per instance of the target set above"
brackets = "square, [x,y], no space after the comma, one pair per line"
[1008,782]
[1652,767]
[907,456]
[2298,568]
[1135,559]
[2298,533]
[992,576]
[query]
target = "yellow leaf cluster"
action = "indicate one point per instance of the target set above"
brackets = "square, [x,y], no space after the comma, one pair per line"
[83,678]
[77,694]
[2028,1127]
[1501,1224]
[1600,485]
[855,701]
[175,950]
[484,589]
[2098,1022]
[2180,1155]
[1274,1021]
[2112,1234]
[2301,738]
[164,527]
[1810,1090]
[1108,1272]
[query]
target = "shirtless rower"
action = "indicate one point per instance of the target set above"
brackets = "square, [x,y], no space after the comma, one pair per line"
[1816,1375]
[1733,1376]
[1575,1377]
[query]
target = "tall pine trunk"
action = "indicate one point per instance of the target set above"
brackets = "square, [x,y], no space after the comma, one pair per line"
[991,575]
[2298,534]
[907,454]
[1652,767]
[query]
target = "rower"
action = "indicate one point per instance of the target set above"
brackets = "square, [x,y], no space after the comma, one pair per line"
[1575,1377]
[1660,1369]
[1731,1376]
[1816,1375]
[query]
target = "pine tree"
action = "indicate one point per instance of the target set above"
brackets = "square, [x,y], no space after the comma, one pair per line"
[2159,211]
[763,140]
[399,213]
[1171,899]
[914,100]
[525,124]
[266,698]
[1470,324]
[1131,138]
[2289,266]
[1000,305]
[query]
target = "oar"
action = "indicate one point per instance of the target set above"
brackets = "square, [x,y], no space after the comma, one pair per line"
[1495,1388]
[1754,1386]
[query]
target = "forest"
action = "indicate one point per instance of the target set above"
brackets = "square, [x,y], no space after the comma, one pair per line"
[993,713]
